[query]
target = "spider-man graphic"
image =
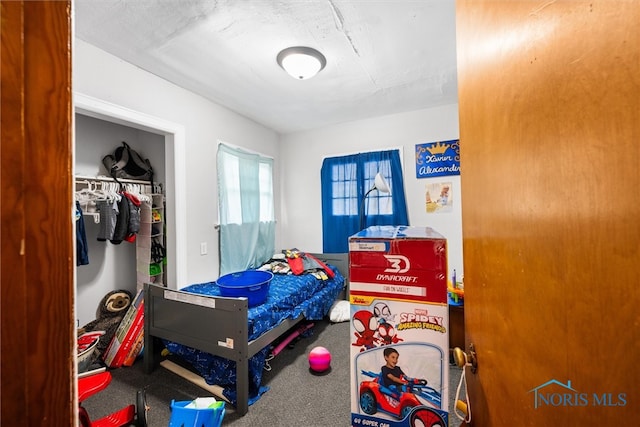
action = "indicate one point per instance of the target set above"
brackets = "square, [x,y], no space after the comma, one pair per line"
[365,325]
[388,334]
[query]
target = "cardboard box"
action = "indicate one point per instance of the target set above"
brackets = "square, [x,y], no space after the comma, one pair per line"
[135,350]
[399,327]
[128,329]
[399,262]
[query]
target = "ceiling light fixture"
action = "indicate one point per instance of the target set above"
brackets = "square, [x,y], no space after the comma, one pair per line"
[301,62]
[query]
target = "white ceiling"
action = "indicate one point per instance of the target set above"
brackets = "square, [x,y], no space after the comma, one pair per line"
[383,56]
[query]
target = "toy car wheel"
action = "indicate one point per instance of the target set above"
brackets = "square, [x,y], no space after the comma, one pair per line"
[141,408]
[426,418]
[368,403]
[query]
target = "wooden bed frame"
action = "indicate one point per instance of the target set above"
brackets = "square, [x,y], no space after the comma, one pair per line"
[179,316]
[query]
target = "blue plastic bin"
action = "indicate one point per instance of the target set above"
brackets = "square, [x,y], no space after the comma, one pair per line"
[195,417]
[252,284]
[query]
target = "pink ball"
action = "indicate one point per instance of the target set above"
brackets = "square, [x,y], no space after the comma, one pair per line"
[319,359]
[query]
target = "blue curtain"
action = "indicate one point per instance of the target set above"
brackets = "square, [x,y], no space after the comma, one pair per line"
[247,232]
[345,181]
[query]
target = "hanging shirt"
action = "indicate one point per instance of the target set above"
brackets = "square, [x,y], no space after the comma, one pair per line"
[82,249]
[108,216]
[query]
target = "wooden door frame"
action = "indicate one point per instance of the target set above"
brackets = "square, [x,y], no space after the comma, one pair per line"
[36,302]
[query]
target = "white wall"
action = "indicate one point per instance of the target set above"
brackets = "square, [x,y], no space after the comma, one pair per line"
[302,155]
[298,157]
[103,76]
[96,138]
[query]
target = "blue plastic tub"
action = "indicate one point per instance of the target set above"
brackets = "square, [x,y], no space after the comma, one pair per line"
[252,284]
[181,416]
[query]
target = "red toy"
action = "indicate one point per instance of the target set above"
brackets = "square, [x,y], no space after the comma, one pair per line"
[290,338]
[132,414]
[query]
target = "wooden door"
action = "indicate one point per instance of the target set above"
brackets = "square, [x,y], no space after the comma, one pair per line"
[549,98]
[36,303]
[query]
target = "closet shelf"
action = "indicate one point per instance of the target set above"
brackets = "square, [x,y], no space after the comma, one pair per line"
[151,233]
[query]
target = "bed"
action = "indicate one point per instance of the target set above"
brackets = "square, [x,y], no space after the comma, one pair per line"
[232,351]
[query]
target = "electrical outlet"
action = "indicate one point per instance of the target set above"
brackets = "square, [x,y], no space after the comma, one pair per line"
[203,248]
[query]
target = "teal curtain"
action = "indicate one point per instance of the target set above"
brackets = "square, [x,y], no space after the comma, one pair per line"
[247,223]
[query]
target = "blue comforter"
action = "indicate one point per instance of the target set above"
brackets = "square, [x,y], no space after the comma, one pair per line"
[289,296]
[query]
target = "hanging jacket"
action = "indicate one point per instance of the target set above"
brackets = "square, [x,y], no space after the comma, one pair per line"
[134,217]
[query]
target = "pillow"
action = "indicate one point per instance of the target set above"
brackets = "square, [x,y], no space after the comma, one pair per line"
[339,311]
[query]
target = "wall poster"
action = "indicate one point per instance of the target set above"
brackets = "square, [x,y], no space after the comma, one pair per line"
[438,197]
[441,158]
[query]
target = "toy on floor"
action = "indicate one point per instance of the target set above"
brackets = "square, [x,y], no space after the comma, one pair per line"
[319,359]
[201,412]
[289,341]
[111,310]
[295,334]
[129,415]
[87,344]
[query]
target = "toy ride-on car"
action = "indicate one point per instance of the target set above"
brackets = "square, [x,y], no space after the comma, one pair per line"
[414,399]
[129,415]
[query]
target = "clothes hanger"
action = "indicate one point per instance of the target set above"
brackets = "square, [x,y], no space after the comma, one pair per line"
[86,198]
[111,190]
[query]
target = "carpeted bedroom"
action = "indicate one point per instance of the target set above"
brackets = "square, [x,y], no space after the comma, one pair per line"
[295,397]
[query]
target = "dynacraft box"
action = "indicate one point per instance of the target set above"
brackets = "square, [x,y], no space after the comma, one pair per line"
[399,321]
[399,262]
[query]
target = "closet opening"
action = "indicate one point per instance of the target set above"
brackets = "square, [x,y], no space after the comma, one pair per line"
[169,137]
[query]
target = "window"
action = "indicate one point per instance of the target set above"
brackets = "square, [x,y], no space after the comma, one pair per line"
[345,181]
[345,199]
[344,194]
[246,209]
[267,212]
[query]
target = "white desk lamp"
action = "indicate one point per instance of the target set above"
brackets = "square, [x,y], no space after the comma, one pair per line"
[380,184]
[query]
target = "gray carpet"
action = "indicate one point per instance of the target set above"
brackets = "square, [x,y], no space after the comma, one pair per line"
[296,397]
